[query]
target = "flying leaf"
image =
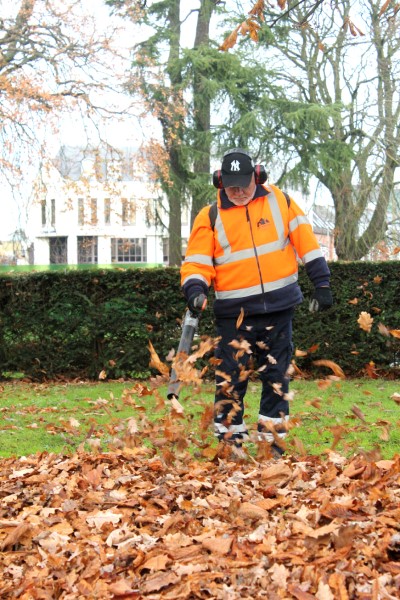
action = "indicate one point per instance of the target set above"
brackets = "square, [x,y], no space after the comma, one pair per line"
[240,318]
[299,352]
[383,330]
[365,321]
[177,406]
[242,347]
[331,365]
[395,332]
[313,348]
[156,363]
[371,370]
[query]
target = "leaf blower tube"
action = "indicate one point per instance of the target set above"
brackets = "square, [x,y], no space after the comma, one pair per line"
[189,327]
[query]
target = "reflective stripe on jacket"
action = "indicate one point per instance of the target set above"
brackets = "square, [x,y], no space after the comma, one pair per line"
[250,257]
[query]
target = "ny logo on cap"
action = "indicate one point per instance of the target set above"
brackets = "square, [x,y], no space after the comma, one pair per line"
[235,165]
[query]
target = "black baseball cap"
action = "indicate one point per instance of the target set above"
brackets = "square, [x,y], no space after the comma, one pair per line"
[237,168]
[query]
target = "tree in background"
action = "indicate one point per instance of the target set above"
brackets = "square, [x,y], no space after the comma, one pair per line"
[192,91]
[180,158]
[336,115]
[54,59]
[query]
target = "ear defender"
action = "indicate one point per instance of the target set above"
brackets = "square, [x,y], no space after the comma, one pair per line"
[260,175]
[217,180]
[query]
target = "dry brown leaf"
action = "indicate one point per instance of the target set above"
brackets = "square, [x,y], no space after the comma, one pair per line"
[365,321]
[384,7]
[240,318]
[396,397]
[218,545]
[383,330]
[358,412]
[101,517]
[157,582]
[122,587]
[276,473]
[177,406]
[156,563]
[155,361]
[299,594]
[299,352]
[230,40]
[323,384]
[15,535]
[324,591]
[313,348]
[247,510]
[385,465]
[331,365]
[324,530]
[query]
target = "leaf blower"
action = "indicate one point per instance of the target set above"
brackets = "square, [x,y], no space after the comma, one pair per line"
[190,324]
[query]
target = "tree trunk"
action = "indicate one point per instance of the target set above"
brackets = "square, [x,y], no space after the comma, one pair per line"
[173,134]
[202,113]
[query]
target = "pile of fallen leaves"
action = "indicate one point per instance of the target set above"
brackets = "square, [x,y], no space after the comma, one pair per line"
[137,523]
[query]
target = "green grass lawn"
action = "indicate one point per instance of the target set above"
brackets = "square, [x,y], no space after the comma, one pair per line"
[350,416]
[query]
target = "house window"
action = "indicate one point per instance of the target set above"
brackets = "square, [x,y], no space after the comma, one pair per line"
[129,250]
[165,246]
[43,209]
[107,211]
[53,212]
[93,211]
[128,212]
[58,251]
[87,249]
[165,250]
[81,211]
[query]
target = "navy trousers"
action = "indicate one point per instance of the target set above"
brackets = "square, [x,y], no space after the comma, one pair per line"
[263,343]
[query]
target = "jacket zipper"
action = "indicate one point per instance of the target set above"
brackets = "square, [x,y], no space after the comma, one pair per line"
[256,255]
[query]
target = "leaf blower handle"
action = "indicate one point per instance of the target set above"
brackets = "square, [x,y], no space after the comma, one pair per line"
[189,327]
[197,303]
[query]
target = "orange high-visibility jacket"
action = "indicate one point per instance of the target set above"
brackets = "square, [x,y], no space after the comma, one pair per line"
[251,255]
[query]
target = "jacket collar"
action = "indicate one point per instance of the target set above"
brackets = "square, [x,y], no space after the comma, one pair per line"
[226,203]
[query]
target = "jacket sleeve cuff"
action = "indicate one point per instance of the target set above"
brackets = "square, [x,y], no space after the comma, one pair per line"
[318,272]
[194,287]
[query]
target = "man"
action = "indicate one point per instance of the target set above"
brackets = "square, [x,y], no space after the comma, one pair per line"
[250,257]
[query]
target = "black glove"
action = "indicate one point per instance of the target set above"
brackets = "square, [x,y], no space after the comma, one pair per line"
[321,299]
[197,303]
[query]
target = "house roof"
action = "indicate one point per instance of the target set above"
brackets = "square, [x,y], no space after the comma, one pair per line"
[107,163]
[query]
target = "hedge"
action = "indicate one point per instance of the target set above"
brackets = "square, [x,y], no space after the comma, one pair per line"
[79,323]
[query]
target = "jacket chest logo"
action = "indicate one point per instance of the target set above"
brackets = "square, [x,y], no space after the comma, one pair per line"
[262,223]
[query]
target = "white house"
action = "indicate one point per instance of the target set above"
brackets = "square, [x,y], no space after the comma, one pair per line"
[96,210]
